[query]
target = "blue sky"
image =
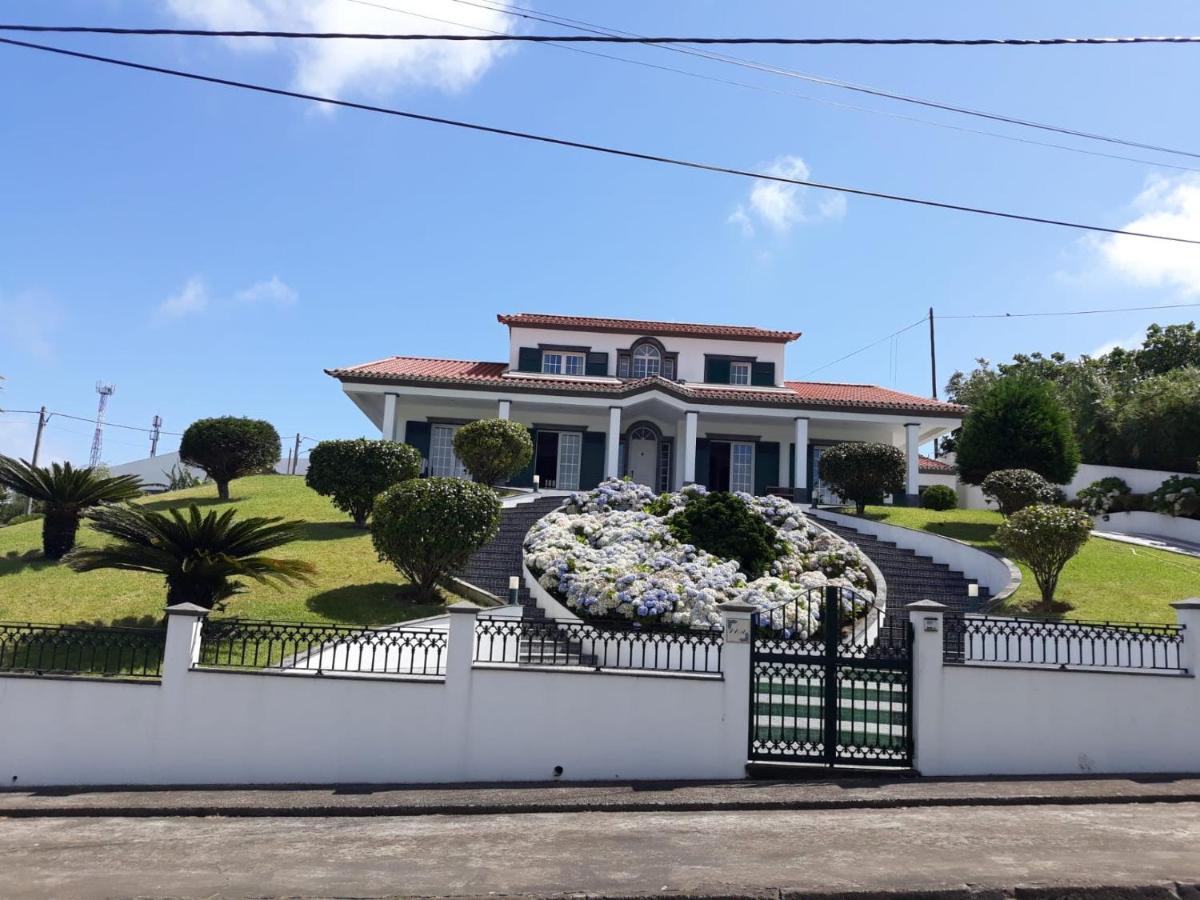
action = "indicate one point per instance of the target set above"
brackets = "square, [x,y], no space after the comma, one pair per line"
[211,251]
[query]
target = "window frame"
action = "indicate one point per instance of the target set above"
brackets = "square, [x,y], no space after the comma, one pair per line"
[563,358]
[745,367]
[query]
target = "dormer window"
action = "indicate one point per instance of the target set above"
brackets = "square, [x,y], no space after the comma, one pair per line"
[647,361]
[556,362]
[739,373]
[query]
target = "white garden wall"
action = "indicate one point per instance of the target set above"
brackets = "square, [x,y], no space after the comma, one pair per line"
[1140,481]
[1149,523]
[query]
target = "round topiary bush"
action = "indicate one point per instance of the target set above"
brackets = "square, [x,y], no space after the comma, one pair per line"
[722,524]
[939,497]
[493,450]
[1100,496]
[863,472]
[428,527]
[353,473]
[1014,489]
[1045,537]
[230,447]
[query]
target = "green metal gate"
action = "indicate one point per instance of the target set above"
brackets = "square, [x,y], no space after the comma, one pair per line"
[830,684]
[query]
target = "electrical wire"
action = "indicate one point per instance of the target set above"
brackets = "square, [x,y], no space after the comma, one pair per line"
[1070,312]
[595,148]
[920,321]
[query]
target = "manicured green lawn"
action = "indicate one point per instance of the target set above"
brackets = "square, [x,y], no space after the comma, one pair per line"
[1108,580]
[351,585]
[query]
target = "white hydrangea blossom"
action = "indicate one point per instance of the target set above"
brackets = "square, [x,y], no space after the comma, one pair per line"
[605,554]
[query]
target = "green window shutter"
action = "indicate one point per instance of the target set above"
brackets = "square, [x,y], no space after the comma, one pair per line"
[702,461]
[591,460]
[597,364]
[763,374]
[716,371]
[766,466]
[416,434]
[524,478]
[529,359]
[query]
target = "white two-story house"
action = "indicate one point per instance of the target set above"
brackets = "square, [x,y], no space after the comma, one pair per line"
[665,403]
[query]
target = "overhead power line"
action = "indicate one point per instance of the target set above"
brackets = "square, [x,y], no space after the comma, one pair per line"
[595,148]
[607,38]
[1071,312]
[865,347]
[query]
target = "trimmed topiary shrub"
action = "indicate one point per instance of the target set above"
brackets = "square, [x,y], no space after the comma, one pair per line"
[493,450]
[1179,495]
[939,497]
[1045,537]
[230,447]
[1099,497]
[1018,423]
[1015,489]
[353,473]
[722,524]
[428,527]
[863,472]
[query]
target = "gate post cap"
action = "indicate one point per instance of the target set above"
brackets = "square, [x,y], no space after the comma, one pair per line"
[462,606]
[187,609]
[734,607]
[927,606]
[1189,603]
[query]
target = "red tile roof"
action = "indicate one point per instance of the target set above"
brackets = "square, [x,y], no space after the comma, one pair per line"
[639,326]
[930,466]
[490,375]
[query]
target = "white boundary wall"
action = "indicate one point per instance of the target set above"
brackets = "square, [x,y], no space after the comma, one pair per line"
[479,723]
[1140,481]
[1151,523]
[982,719]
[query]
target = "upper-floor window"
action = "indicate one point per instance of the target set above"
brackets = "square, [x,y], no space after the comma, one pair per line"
[555,362]
[739,373]
[647,361]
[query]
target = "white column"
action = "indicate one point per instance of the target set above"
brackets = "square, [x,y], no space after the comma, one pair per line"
[925,690]
[1187,614]
[388,431]
[735,670]
[181,650]
[691,428]
[456,710]
[912,439]
[612,451]
[504,409]
[677,463]
[800,472]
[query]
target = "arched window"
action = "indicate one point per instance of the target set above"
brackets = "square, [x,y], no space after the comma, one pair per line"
[647,361]
[642,433]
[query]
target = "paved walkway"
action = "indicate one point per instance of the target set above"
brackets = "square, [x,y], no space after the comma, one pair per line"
[1172,545]
[1141,851]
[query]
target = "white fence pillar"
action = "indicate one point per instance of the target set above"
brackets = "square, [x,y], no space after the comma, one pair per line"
[736,620]
[1187,614]
[612,452]
[925,692]
[182,647]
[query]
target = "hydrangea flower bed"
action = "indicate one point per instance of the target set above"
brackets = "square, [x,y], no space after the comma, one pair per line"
[609,553]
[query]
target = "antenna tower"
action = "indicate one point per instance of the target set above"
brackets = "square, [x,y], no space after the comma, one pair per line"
[105,391]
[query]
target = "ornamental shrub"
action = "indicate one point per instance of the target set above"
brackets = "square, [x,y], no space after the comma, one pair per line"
[1017,423]
[863,472]
[353,473]
[1045,537]
[1099,497]
[1179,495]
[1015,489]
[724,525]
[230,447]
[493,450]
[939,497]
[428,527]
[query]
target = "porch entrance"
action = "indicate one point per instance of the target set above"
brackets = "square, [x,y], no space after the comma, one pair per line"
[831,689]
[557,457]
[643,456]
[731,466]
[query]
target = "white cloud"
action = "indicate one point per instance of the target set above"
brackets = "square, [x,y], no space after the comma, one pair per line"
[1127,343]
[273,291]
[1169,206]
[191,298]
[780,206]
[337,67]
[29,319]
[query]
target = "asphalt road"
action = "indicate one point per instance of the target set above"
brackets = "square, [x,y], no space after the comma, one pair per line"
[607,854]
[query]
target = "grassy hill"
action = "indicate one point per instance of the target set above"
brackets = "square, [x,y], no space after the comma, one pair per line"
[1108,580]
[351,585]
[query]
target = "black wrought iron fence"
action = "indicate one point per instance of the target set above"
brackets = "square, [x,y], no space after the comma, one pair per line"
[1064,643]
[303,647]
[81,650]
[607,646]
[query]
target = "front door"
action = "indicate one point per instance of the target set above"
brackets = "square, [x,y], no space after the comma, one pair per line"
[731,466]
[643,457]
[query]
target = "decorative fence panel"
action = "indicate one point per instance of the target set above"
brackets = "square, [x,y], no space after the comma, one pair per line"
[611,646]
[305,647]
[1065,644]
[81,650]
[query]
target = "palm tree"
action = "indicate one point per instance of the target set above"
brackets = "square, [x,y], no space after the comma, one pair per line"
[65,492]
[200,555]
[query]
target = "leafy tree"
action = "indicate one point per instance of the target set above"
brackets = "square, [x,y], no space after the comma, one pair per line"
[230,447]
[1018,423]
[202,556]
[64,492]
[493,449]
[1045,538]
[1167,349]
[939,497]
[353,473]
[1015,489]
[724,525]
[1158,426]
[428,527]
[863,472]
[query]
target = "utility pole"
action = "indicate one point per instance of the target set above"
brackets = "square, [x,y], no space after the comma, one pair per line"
[296,454]
[933,368]
[156,427]
[37,447]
